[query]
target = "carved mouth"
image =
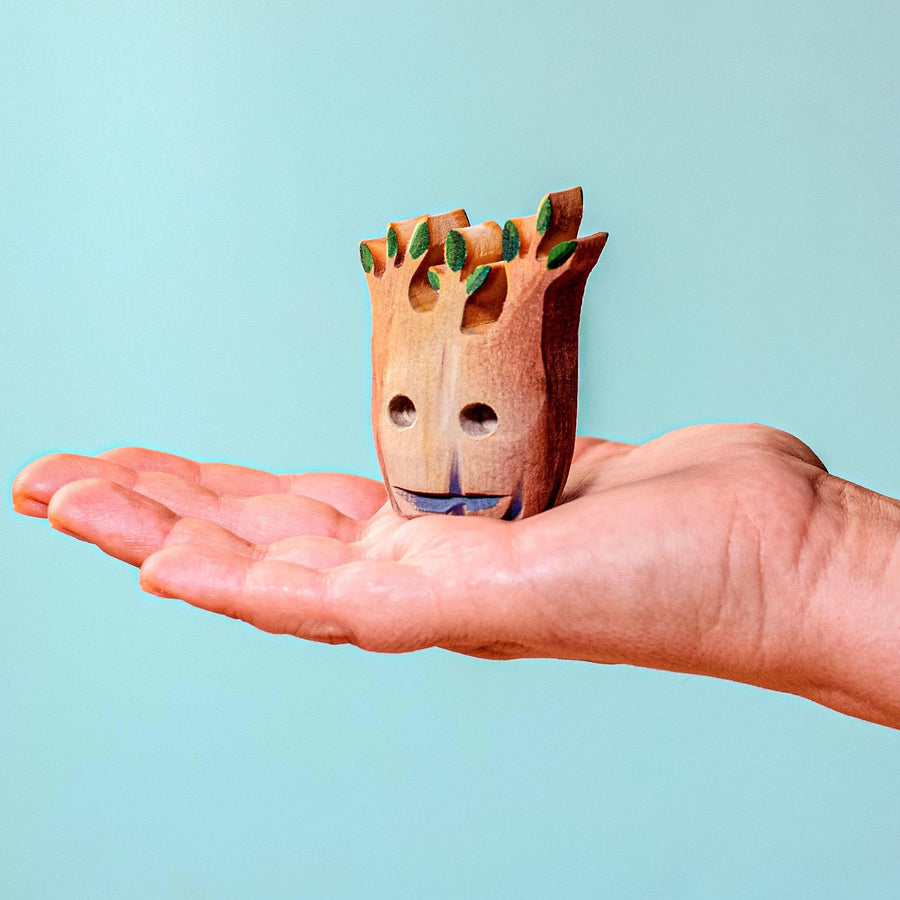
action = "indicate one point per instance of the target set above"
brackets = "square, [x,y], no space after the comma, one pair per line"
[449,504]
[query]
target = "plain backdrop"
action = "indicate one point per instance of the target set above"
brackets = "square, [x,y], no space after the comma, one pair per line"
[182,190]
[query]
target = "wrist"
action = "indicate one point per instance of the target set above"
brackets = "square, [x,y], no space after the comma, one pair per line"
[848,644]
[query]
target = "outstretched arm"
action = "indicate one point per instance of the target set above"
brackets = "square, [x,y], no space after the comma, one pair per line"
[721,550]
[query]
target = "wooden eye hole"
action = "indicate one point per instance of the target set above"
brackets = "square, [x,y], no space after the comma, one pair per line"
[478,420]
[402,411]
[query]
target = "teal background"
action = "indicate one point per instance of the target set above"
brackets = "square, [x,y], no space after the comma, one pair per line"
[183,189]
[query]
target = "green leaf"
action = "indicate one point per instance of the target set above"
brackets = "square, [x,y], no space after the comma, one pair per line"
[366,258]
[455,250]
[420,239]
[544,214]
[392,243]
[434,279]
[477,279]
[560,253]
[510,241]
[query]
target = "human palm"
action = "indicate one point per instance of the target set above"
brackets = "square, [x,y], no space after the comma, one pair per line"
[669,554]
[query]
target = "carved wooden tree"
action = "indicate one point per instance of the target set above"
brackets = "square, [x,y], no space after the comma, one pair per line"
[475,357]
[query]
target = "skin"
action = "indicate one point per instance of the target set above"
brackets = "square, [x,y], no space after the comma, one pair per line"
[722,550]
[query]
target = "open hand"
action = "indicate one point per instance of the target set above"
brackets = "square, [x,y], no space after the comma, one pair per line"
[698,552]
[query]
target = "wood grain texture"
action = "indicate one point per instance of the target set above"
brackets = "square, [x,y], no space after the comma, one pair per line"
[475,357]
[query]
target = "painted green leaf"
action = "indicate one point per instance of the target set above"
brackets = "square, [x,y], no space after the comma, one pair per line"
[510,241]
[392,243]
[366,258]
[418,243]
[434,279]
[545,212]
[560,253]
[455,250]
[477,279]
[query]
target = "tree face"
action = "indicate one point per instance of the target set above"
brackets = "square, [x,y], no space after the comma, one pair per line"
[474,353]
[459,424]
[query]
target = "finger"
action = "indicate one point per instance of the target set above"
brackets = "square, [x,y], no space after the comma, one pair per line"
[311,551]
[274,517]
[122,523]
[131,526]
[38,482]
[354,496]
[26,506]
[351,494]
[375,604]
[260,519]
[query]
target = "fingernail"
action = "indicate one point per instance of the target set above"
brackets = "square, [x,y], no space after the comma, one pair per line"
[57,527]
[151,587]
[156,591]
[26,506]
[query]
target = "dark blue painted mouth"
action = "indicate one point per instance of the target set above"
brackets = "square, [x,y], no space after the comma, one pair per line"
[449,504]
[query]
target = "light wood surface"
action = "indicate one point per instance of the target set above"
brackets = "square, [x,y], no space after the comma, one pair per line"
[475,357]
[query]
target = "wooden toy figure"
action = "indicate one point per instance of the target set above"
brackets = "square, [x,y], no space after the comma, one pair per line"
[475,358]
